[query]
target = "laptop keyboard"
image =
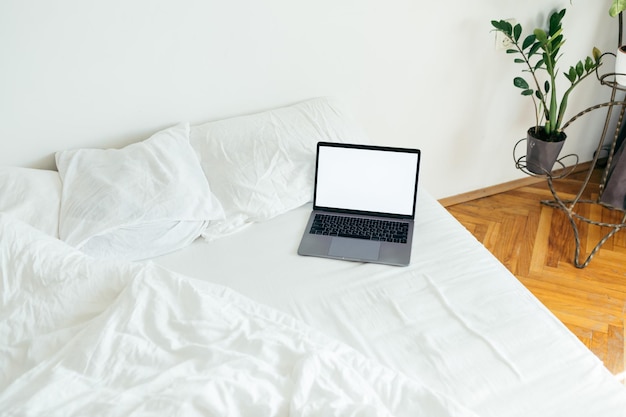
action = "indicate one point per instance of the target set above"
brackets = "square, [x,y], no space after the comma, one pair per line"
[369,229]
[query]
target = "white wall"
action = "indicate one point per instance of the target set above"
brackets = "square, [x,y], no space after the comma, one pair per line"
[77,73]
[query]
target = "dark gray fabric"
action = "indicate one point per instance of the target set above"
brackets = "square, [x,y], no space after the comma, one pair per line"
[615,190]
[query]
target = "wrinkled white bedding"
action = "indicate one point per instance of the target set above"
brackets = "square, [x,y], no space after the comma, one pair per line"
[454,319]
[85,337]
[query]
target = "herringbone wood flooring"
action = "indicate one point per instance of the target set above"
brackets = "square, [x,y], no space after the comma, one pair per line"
[536,243]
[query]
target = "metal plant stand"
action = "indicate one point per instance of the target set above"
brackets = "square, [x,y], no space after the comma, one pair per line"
[569,206]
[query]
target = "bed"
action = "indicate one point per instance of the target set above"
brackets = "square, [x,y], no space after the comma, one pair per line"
[163,279]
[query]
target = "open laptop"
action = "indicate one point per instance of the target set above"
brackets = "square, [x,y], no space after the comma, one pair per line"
[365,186]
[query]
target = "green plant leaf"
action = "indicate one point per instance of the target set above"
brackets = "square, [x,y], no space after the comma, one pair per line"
[555,22]
[538,64]
[534,49]
[546,86]
[557,39]
[597,54]
[503,26]
[527,92]
[541,35]
[556,44]
[616,7]
[580,69]
[519,82]
[529,40]
[517,32]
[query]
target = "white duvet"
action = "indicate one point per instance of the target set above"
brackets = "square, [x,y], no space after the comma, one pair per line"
[85,337]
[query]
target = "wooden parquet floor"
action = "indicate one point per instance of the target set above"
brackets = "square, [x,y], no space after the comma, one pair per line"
[536,243]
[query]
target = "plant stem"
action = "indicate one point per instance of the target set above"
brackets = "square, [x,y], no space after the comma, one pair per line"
[566,96]
[536,81]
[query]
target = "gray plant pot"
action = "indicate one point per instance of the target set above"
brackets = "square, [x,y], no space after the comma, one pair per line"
[541,155]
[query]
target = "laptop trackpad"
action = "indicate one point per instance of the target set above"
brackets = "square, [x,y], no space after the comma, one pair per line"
[354,248]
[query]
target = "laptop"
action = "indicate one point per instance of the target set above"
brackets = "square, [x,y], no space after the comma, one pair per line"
[363,204]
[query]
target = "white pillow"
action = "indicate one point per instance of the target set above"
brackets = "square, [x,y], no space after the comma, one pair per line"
[33,196]
[140,201]
[262,165]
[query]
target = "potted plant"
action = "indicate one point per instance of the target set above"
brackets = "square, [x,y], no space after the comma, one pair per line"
[539,53]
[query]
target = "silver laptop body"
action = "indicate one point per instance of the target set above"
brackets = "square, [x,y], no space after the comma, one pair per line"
[363,184]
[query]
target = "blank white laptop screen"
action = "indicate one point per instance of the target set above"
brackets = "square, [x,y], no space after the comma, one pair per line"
[366,180]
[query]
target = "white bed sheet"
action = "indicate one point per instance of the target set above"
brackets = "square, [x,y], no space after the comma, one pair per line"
[85,337]
[455,318]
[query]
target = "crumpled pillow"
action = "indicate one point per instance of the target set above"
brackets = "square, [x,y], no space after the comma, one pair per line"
[144,200]
[263,165]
